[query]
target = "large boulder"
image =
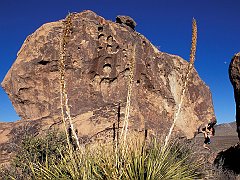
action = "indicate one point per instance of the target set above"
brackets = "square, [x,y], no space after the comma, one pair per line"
[97,68]
[234,75]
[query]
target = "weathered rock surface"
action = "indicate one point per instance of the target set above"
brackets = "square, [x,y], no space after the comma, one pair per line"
[97,68]
[234,75]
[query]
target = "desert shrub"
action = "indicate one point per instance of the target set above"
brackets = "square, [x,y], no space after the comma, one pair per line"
[34,150]
[218,172]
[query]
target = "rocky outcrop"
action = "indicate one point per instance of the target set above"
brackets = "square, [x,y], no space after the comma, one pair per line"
[229,159]
[234,75]
[97,67]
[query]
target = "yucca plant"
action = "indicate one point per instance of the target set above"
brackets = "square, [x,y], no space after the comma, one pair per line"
[143,161]
[68,166]
[161,162]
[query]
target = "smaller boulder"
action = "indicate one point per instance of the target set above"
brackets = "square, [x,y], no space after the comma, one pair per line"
[229,159]
[127,21]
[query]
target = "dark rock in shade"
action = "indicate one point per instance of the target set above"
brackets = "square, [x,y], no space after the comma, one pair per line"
[97,71]
[229,159]
[126,20]
[234,75]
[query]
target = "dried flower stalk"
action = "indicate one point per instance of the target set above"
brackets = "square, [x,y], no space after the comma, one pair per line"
[186,79]
[65,109]
[128,103]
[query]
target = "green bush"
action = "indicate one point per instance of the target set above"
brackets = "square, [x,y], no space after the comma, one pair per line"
[34,150]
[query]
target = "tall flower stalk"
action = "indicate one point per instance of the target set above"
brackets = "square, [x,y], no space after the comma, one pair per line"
[65,109]
[123,135]
[186,79]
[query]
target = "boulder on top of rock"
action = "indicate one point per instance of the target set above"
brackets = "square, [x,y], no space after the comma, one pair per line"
[126,20]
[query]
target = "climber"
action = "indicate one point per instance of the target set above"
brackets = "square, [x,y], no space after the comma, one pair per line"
[209,126]
[208,131]
[202,129]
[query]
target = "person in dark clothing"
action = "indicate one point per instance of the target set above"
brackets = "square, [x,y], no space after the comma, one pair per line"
[208,132]
[208,127]
[202,129]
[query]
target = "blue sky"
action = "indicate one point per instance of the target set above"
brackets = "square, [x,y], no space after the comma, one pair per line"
[166,23]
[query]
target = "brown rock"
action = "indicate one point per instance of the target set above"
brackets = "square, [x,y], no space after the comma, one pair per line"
[234,75]
[97,68]
[126,20]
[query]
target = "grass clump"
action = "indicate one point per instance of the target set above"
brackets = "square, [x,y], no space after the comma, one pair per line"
[48,158]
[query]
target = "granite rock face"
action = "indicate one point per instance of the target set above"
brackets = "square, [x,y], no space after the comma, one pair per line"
[97,68]
[234,75]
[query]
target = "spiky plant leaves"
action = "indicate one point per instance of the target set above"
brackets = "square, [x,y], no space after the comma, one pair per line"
[143,161]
